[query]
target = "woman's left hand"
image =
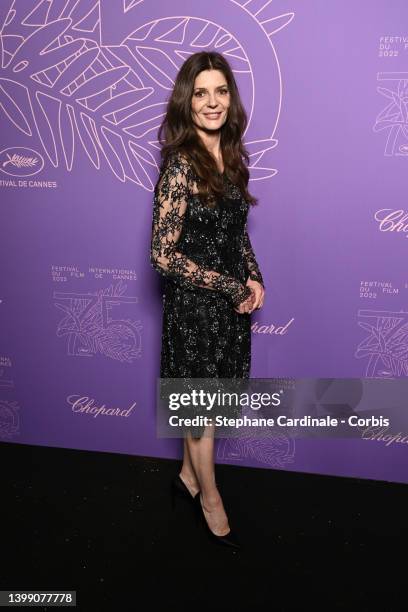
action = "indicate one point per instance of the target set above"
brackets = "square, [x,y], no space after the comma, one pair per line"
[259,293]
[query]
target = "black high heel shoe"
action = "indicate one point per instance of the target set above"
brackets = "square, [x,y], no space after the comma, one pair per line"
[179,489]
[230,539]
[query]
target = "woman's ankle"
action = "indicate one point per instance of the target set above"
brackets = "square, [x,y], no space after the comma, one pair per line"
[212,500]
[189,478]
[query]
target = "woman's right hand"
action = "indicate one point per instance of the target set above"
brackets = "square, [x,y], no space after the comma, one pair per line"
[246,305]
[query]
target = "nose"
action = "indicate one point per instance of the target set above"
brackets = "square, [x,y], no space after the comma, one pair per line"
[212,101]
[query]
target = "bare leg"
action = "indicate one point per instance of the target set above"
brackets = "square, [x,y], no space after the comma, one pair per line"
[187,474]
[202,460]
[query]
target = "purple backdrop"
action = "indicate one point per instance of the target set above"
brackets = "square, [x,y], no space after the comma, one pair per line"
[83,89]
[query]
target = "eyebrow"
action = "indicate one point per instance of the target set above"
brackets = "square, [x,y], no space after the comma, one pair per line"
[204,88]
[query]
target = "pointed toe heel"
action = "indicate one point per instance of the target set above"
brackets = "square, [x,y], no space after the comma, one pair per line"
[230,539]
[178,490]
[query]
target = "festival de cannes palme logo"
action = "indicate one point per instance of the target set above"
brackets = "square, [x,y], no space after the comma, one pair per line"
[96,76]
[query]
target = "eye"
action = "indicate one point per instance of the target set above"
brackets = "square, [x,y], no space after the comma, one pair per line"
[224,91]
[198,93]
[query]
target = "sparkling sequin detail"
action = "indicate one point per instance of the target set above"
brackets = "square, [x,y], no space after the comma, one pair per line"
[205,256]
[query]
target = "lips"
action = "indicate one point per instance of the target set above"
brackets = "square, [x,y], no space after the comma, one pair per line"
[212,115]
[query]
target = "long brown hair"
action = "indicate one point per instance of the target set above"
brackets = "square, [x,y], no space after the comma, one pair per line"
[180,134]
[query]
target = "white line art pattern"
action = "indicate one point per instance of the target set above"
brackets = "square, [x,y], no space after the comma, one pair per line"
[90,328]
[276,450]
[82,73]
[9,419]
[394,117]
[386,343]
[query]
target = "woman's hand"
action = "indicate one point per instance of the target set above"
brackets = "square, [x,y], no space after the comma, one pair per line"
[255,300]
[247,305]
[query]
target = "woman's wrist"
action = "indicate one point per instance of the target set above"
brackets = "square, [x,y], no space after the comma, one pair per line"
[241,294]
[257,276]
[232,288]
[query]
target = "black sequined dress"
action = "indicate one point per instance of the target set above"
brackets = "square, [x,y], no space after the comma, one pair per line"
[206,256]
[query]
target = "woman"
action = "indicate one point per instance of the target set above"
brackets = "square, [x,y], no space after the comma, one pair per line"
[201,246]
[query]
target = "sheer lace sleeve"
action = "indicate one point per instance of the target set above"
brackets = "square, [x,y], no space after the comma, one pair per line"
[250,260]
[169,207]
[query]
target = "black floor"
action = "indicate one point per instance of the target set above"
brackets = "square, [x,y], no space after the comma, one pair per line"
[102,524]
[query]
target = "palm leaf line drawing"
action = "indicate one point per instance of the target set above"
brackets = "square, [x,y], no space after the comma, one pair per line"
[61,83]
[20,161]
[386,344]
[275,449]
[394,116]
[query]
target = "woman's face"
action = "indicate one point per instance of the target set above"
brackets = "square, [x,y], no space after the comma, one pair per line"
[211,100]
